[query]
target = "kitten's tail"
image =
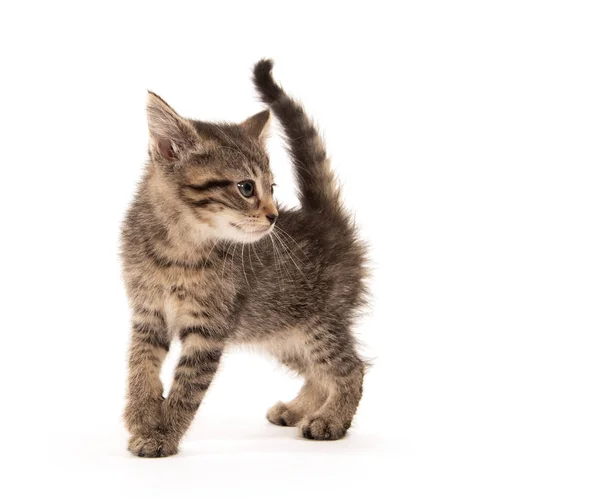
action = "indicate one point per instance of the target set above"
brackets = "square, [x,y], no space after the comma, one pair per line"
[318,188]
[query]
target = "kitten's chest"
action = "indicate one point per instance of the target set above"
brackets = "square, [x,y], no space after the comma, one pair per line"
[195,297]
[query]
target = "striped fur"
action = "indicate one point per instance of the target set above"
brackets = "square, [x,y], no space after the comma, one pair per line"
[204,264]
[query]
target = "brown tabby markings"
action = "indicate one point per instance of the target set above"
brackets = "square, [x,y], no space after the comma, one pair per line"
[207,264]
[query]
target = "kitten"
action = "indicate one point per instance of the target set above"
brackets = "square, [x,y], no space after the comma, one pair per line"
[210,258]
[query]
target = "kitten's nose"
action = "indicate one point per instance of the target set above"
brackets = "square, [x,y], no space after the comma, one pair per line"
[272,218]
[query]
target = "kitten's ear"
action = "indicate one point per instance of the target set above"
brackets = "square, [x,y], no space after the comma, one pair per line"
[257,125]
[171,136]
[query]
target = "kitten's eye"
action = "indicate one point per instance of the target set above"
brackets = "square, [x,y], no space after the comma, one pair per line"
[246,188]
[273,188]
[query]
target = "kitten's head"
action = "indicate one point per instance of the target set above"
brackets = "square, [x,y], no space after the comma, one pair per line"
[219,173]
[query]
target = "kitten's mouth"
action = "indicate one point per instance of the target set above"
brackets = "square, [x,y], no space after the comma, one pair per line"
[252,230]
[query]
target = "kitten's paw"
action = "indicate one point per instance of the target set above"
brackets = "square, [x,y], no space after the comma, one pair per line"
[280,414]
[152,446]
[322,428]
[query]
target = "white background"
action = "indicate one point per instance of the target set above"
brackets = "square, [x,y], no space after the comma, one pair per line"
[466,135]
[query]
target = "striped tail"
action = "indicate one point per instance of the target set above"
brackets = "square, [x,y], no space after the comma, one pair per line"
[318,189]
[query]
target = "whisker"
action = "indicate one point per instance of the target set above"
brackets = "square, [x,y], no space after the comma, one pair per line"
[211,249]
[255,253]
[284,233]
[287,250]
[224,262]
[243,267]
[277,265]
[281,257]
[232,259]
[250,261]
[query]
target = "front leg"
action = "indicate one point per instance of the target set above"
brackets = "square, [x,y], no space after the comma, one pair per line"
[201,352]
[149,346]
[200,355]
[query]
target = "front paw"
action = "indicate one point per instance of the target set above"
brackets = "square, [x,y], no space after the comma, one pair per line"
[153,445]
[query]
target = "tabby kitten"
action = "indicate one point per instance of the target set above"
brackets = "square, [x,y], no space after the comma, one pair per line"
[210,258]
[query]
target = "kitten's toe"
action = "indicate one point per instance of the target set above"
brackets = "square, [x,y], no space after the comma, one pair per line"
[322,429]
[280,414]
[152,446]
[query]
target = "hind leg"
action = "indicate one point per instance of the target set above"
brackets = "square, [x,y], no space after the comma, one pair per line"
[340,371]
[310,398]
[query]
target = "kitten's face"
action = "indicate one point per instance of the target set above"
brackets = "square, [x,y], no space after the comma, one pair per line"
[219,172]
[230,190]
